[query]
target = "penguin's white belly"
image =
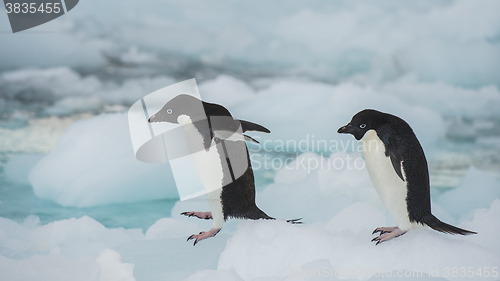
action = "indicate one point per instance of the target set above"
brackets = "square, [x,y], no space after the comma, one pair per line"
[389,186]
[208,166]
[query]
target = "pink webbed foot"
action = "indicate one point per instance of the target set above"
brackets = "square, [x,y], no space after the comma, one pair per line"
[383,230]
[203,235]
[386,233]
[200,215]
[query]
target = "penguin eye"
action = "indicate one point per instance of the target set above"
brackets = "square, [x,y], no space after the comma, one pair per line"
[169,111]
[362,126]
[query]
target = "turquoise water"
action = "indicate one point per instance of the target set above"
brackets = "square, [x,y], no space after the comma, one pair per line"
[19,202]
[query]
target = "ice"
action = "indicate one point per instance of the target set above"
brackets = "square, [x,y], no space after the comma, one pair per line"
[226,90]
[72,105]
[112,269]
[478,190]
[18,168]
[169,228]
[327,189]
[488,230]
[339,214]
[68,92]
[49,268]
[229,275]
[73,249]
[285,107]
[73,238]
[450,41]
[449,100]
[273,248]
[107,170]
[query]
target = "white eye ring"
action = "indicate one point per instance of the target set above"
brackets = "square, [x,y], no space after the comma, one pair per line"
[362,126]
[169,111]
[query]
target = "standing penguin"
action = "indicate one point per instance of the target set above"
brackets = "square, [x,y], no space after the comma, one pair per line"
[398,170]
[217,146]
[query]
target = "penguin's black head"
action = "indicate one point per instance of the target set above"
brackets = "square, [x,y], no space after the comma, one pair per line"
[180,105]
[362,122]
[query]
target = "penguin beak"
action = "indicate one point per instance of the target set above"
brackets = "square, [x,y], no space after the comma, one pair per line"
[152,119]
[347,129]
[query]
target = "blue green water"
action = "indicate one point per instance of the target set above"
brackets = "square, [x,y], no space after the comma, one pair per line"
[18,202]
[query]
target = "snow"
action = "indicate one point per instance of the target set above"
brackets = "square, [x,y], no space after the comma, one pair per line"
[334,238]
[112,269]
[73,249]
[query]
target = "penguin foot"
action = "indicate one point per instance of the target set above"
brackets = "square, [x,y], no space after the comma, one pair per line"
[387,233]
[203,235]
[200,215]
[383,230]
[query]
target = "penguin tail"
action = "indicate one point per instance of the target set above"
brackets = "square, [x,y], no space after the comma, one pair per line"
[256,214]
[440,226]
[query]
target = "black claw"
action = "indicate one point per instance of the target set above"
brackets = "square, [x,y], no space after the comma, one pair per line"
[378,242]
[294,221]
[190,237]
[375,231]
[375,238]
[184,213]
[195,241]
[207,217]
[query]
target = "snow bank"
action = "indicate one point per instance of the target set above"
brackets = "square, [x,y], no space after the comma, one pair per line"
[55,267]
[80,249]
[49,268]
[275,248]
[94,164]
[112,269]
[72,238]
[339,210]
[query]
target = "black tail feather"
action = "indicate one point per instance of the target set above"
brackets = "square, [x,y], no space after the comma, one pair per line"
[440,226]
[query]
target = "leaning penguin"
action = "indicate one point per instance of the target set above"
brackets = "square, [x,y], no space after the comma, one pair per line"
[398,170]
[217,146]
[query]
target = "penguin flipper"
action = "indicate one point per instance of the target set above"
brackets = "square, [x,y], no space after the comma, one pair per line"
[249,126]
[440,226]
[233,136]
[392,151]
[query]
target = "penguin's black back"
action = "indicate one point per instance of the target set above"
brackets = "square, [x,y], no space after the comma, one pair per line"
[238,197]
[397,133]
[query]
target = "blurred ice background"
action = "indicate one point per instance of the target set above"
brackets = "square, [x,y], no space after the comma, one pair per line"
[73,197]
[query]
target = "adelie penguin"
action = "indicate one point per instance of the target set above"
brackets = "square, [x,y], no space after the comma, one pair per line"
[398,170]
[217,146]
